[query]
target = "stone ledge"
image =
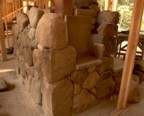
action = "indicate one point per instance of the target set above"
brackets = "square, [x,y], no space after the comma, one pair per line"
[87,62]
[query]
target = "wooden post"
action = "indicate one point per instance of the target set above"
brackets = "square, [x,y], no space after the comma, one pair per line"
[130,54]
[64,7]
[107,4]
[16,8]
[114,5]
[2,39]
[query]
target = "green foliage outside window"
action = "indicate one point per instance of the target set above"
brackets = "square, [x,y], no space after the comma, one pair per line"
[125,8]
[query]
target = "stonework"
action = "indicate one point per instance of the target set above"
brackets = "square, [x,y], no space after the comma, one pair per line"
[63,66]
[48,35]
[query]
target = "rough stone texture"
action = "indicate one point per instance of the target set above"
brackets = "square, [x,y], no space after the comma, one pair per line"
[79,76]
[140,74]
[106,65]
[58,98]
[57,64]
[105,87]
[91,69]
[37,59]
[77,88]
[108,16]
[22,70]
[84,3]
[105,75]
[27,83]
[24,40]
[34,44]
[22,21]
[134,92]
[51,31]
[91,80]
[35,90]
[30,70]
[83,101]
[34,16]
[3,85]
[107,29]
[31,33]
[93,91]
[28,56]
[79,33]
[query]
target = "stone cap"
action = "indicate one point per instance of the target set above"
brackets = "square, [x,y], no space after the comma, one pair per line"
[87,62]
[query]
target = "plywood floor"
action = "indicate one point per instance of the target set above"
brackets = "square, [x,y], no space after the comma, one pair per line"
[15,102]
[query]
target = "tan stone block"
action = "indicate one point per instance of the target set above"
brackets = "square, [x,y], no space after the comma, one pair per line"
[51,31]
[83,101]
[106,65]
[28,55]
[57,98]
[93,91]
[34,16]
[77,88]
[27,83]
[105,88]
[79,76]
[37,59]
[35,90]
[108,16]
[22,21]
[91,80]
[134,92]
[57,64]
[31,33]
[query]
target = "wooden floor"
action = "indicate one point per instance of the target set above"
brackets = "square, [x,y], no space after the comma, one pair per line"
[16,102]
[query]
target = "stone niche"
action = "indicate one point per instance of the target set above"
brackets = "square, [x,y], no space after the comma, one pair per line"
[63,66]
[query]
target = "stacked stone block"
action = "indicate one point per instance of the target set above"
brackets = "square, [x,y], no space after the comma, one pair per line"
[58,64]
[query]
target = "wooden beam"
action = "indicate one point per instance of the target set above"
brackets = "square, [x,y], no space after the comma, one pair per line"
[16,8]
[130,54]
[2,39]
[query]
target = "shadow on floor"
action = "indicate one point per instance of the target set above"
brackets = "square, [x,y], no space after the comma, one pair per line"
[9,88]
[4,114]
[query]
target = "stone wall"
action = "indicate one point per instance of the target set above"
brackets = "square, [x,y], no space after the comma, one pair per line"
[50,67]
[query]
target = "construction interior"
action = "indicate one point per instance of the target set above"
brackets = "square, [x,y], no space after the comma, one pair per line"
[66,58]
